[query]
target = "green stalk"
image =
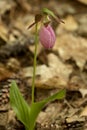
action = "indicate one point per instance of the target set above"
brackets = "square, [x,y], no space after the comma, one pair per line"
[34,66]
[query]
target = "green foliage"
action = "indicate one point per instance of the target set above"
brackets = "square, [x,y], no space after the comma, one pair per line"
[25,113]
[19,105]
[37,106]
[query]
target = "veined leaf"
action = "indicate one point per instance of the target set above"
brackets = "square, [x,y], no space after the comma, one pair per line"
[58,95]
[37,106]
[28,115]
[19,105]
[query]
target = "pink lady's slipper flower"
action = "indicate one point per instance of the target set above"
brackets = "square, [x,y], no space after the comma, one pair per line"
[47,36]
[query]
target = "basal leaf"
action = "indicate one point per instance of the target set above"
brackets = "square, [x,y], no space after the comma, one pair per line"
[19,105]
[37,106]
[58,95]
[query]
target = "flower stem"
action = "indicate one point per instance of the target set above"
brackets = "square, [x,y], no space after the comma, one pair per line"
[34,66]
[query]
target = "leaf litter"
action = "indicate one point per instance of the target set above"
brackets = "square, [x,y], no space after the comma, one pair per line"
[65,66]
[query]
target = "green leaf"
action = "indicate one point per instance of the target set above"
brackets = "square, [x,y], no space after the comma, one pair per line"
[37,106]
[19,105]
[58,95]
[49,12]
[34,112]
[28,115]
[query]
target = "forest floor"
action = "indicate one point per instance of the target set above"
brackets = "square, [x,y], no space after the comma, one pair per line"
[64,66]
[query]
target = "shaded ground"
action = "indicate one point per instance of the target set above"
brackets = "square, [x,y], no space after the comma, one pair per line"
[65,66]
